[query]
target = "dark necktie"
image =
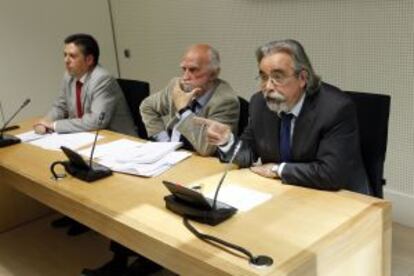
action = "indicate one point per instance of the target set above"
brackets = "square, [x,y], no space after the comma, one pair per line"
[285,137]
[186,144]
[78,99]
[194,105]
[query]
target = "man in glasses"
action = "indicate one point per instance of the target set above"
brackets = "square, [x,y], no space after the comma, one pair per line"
[300,130]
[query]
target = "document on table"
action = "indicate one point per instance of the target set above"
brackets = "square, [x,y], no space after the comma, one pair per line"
[144,159]
[31,136]
[147,169]
[116,149]
[242,198]
[54,141]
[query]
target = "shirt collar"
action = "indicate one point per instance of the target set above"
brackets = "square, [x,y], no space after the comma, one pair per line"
[203,99]
[83,78]
[298,106]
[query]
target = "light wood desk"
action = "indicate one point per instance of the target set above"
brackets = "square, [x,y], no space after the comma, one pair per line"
[306,232]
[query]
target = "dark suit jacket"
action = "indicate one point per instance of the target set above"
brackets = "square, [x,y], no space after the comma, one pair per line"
[325,144]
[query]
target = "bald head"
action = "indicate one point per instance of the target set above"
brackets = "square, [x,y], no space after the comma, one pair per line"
[207,54]
[200,66]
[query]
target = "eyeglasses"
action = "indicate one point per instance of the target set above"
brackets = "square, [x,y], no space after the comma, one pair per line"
[275,78]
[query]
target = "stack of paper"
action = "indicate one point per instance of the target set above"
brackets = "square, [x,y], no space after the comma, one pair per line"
[144,159]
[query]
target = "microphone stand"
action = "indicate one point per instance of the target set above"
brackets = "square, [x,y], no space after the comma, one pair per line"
[255,260]
[101,117]
[236,151]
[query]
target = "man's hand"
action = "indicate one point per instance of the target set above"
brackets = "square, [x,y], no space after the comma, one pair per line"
[217,133]
[265,170]
[182,99]
[43,126]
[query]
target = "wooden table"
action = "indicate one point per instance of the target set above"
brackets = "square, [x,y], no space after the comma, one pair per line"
[306,232]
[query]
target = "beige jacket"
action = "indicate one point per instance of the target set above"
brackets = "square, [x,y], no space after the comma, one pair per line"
[159,114]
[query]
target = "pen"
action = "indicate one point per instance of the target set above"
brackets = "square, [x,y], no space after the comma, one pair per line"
[11,128]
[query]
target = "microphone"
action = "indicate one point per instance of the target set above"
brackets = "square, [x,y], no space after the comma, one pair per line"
[78,167]
[5,139]
[235,152]
[191,204]
[101,117]
[221,213]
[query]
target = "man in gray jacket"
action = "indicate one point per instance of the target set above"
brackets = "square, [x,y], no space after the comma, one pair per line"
[88,90]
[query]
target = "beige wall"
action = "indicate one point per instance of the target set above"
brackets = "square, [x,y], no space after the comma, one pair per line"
[32,34]
[362,45]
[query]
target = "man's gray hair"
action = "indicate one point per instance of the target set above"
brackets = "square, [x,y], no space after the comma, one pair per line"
[214,59]
[297,53]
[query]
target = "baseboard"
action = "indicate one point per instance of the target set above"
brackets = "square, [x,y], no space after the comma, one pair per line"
[402,205]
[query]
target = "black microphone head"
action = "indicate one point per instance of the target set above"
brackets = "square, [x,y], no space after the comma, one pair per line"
[26,102]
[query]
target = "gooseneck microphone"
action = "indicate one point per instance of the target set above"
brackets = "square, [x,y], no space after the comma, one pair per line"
[101,118]
[78,167]
[192,204]
[235,152]
[5,139]
[260,260]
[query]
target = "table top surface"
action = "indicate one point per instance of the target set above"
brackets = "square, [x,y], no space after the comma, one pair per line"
[294,222]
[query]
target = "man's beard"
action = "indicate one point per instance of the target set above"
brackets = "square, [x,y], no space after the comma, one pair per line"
[276,102]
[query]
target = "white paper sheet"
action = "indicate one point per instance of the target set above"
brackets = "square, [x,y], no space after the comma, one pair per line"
[242,198]
[31,136]
[73,140]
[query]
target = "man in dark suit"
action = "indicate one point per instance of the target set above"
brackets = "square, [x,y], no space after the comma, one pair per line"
[300,130]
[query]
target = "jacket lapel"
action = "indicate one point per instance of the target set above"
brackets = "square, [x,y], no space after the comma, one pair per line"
[303,126]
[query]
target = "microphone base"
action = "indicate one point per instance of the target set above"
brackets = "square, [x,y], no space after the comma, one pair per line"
[8,140]
[89,175]
[210,217]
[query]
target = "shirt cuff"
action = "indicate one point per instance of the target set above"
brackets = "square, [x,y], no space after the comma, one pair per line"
[280,169]
[183,115]
[226,147]
[162,136]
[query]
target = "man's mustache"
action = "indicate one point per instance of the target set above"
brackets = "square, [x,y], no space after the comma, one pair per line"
[275,97]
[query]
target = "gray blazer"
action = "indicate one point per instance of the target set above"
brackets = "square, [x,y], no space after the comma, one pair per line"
[325,144]
[100,93]
[159,114]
